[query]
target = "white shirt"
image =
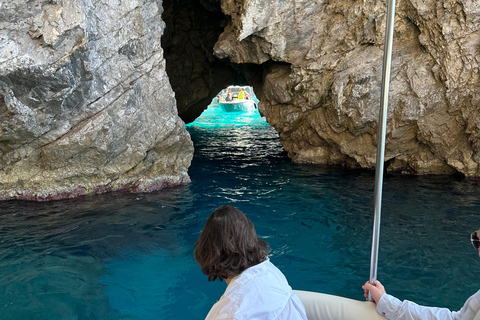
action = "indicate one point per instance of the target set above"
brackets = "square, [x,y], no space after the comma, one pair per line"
[260,292]
[394,309]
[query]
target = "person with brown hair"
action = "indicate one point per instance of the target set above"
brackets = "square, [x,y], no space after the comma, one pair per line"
[229,249]
[394,309]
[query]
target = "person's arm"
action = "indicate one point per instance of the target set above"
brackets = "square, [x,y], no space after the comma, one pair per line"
[394,309]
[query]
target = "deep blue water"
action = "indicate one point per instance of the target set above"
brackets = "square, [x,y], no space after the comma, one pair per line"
[129,256]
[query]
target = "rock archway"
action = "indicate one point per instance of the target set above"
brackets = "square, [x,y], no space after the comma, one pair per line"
[196,75]
[317,67]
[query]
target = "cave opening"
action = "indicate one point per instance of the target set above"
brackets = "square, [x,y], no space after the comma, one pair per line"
[196,75]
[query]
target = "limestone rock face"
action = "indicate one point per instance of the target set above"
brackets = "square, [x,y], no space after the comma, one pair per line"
[85,102]
[322,64]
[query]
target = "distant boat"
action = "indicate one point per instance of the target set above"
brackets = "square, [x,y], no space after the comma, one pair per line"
[237,105]
[232,103]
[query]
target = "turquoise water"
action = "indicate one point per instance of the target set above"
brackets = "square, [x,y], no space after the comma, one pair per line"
[129,256]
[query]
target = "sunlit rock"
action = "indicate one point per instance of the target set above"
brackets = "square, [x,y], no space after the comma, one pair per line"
[322,63]
[85,102]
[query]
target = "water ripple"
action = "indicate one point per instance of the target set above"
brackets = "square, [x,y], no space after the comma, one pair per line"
[124,256]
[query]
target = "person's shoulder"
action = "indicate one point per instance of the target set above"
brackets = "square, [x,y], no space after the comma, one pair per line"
[268,265]
[273,277]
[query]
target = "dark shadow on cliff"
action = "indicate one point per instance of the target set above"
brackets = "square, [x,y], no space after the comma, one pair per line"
[196,76]
[255,74]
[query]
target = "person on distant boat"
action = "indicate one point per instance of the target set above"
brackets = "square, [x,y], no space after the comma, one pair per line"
[229,249]
[240,94]
[229,95]
[394,309]
[220,99]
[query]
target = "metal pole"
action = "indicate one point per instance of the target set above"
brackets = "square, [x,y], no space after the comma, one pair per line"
[382,129]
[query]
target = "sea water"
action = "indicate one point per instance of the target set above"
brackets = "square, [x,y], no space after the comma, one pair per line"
[129,256]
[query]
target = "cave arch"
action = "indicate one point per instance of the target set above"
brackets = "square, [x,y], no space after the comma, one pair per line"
[196,75]
[192,28]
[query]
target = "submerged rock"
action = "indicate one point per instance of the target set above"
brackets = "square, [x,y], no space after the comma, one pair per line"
[85,102]
[322,63]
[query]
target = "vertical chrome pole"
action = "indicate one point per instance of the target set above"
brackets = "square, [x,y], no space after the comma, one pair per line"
[382,129]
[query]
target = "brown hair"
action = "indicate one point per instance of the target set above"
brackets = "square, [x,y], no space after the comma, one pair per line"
[228,244]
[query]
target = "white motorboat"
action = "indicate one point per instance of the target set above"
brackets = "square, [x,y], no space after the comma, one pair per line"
[237,105]
[325,306]
[237,99]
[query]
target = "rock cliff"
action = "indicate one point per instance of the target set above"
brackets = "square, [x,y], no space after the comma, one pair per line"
[320,81]
[86,105]
[85,102]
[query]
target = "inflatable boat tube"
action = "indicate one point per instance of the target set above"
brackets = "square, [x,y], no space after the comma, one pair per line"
[321,306]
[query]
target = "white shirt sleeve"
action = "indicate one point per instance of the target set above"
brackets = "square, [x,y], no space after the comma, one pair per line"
[394,309]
